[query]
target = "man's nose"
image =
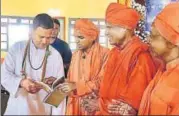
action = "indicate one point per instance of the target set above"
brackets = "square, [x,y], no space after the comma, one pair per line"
[45,40]
[107,32]
[77,40]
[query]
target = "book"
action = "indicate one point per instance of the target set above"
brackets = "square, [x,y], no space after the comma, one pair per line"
[54,96]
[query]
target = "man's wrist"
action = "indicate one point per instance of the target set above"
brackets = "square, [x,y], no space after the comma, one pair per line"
[21,83]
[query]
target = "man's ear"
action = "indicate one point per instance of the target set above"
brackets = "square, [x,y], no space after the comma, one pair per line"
[170,45]
[130,32]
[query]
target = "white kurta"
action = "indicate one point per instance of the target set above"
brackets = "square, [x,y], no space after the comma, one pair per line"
[21,102]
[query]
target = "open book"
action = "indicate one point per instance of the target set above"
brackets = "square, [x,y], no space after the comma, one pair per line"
[54,96]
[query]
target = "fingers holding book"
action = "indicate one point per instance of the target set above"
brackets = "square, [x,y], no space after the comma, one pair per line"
[50,84]
[67,87]
[49,81]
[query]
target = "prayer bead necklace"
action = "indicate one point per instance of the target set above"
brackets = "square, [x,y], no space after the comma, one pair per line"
[44,62]
[47,52]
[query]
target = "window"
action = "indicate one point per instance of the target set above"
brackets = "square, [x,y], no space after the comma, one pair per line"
[62,27]
[14,29]
[18,33]
[101,25]
[4,38]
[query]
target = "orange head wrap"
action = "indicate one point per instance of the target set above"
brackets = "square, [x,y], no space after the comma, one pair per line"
[121,15]
[167,23]
[87,28]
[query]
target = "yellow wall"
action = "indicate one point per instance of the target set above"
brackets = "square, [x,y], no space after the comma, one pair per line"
[126,2]
[3,54]
[67,8]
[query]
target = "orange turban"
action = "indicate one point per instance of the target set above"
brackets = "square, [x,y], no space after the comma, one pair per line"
[87,28]
[167,23]
[121,15]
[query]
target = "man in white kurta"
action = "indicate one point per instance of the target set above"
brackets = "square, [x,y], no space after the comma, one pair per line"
[21,102]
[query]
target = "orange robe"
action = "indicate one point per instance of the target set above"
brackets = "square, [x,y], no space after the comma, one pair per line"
[162,95]
[167,23]
[87,73]
[127,74]
[121,15]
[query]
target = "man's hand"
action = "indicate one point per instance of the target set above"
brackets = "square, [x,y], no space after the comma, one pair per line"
[120,108]
[67,87]
[30,86]
[90,103]
[49,80]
